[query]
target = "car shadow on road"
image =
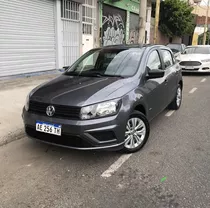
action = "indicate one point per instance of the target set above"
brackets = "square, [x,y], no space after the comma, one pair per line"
[51,152]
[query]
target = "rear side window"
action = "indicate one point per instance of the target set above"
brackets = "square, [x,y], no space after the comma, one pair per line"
[167,58]
[154,62]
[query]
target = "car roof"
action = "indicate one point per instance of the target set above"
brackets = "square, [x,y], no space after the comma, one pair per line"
[132,46]
[198,46]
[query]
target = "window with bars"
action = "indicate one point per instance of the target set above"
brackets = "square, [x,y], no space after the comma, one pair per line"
[87,29]
[88,16]
[89,2]
[70,10]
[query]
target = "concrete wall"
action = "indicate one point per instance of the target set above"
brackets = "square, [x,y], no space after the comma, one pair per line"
[176,40]
[161,39]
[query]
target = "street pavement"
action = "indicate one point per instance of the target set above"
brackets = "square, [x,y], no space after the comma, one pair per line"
[171,171]
[13,94]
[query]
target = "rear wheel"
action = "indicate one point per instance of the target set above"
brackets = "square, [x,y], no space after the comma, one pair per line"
[136,133]
[176,103]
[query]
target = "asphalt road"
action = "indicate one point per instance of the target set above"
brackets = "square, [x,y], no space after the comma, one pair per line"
[172,170]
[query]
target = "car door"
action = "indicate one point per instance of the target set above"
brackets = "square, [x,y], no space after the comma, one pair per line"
[171,67]
[156,88]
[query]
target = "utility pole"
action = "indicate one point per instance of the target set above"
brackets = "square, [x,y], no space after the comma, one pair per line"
[206,24]
[157,16]
[142,20]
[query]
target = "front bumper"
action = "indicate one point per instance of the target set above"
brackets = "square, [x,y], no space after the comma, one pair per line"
[203,68]
[104,133]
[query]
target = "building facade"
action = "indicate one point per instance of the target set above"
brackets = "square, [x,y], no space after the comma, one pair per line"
[119,22]
[40,35]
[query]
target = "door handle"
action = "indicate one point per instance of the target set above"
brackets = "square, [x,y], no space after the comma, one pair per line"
[166,81]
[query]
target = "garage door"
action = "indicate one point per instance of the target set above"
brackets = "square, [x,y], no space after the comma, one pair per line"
[27,36]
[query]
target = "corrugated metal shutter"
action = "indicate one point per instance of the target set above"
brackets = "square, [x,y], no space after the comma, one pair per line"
[27,36]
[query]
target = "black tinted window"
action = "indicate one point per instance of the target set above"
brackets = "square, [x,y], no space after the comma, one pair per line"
[154,62]
[167,58]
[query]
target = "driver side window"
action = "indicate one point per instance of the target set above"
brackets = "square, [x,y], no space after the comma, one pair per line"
[154,62]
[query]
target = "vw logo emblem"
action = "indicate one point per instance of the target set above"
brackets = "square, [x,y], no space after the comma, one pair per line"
[50,110]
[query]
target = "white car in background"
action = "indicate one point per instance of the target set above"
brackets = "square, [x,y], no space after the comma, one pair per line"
[196,59]
[177,49]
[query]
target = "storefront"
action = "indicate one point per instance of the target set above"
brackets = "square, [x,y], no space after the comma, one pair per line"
[120,22]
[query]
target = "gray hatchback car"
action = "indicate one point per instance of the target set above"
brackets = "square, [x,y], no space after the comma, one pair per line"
[106,99]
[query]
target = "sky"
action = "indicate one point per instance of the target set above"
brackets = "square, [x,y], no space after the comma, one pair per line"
[204,2]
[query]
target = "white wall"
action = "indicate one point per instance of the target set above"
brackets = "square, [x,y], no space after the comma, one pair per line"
[59,37]
[148,23]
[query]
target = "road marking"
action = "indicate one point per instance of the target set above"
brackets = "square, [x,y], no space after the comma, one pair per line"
[170,113]
[115,166]
[203,80]
[193,90]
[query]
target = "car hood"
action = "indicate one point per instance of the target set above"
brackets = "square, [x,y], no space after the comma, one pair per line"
[194,57]
[81,91]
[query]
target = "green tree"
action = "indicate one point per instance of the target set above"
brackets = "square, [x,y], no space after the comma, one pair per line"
[176,18]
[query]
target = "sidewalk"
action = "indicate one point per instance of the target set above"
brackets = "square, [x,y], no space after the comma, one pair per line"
[13,94]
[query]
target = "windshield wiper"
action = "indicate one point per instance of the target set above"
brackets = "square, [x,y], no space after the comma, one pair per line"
[92,74]
[113,75]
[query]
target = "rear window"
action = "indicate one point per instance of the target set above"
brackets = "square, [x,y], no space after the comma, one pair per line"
[175,47]
[200,50]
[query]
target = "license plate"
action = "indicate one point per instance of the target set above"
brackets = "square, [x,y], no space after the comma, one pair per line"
[48,128]
[189,67]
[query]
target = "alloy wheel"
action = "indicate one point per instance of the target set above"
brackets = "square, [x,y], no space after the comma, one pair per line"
[178,96]
[135,133]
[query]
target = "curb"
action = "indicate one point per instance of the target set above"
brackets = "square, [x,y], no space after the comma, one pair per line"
[12,136]
[32,74]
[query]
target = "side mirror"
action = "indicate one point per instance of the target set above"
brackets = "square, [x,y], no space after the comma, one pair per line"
[156,73]
[65,68]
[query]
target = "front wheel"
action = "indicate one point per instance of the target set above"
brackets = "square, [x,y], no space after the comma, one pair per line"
[136,133]
[176,103]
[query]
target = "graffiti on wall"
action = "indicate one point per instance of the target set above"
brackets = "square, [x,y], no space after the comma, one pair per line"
[133,36]
[113,26]
[133,29]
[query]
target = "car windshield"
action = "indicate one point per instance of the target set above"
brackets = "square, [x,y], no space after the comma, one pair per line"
[174,47]
[201,50]
[107,62]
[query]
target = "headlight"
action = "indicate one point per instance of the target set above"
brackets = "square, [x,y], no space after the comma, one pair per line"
[27,102]
[206,60]
[100,110]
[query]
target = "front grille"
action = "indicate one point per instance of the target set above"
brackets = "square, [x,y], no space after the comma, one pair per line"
[65,140]
[194,69]
[190,63]
[61,111]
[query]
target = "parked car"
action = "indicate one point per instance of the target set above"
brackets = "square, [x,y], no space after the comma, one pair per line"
[106,99]
[177,49]
[196,59]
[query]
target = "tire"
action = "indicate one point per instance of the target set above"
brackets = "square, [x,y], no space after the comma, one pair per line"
[177,101]
[138,140]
